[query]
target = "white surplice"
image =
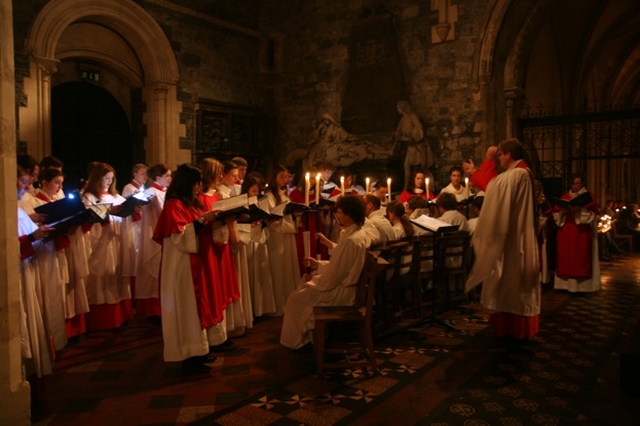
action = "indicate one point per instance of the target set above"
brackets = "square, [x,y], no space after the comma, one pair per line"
[264,301]
[149,252]
[332,285]
[112,256]
[506,247]
[182,332]
[382,224]
[54,275]
[461,194]
[283,255]
[454,217]
[34,337]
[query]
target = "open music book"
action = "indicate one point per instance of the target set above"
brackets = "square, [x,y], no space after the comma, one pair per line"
[233,206]
[131,202]
[433,224]
[61,209]
[94,213]
[580,201]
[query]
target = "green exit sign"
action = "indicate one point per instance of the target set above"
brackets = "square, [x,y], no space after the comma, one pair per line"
[89,75]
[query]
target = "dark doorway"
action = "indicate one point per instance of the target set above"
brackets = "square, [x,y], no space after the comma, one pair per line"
[88,124]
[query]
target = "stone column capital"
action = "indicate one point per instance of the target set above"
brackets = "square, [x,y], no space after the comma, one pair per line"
[47,65]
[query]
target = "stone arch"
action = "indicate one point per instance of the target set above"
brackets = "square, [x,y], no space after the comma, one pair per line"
[499,68]
[153,50]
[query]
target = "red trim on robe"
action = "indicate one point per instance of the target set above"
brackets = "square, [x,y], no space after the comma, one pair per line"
[204,266]
[148,307]
[26,248]
[405,195]
[109,316]
[227,274]
[76,326]
[506,324]
[574,244]
[485,173]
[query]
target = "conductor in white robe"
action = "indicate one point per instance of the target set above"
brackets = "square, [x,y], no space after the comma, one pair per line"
[333,282]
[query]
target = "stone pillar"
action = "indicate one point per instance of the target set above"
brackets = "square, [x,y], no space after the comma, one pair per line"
[513,98]
[14,390]
[43,68]
[162,118]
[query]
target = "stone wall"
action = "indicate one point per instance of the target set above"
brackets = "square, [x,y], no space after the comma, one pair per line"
[315,37]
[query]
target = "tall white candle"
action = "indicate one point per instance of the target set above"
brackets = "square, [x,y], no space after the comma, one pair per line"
[466,186]
[318,176]
[389,188]
[367,183]
[342,184]
[306,189]
[306,237]
[428,196]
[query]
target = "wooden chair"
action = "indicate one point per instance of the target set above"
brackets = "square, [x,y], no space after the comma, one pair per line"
[355,354]
[453,253]
[622,240]
[424,271]
[385,309]
[402,280]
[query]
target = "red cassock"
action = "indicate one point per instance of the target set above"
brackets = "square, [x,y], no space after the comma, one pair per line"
[228,277]
[405,195]
[204,267]
[309,222]
[574,244]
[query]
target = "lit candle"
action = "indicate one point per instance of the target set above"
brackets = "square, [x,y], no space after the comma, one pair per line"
[367,182]
[428,197]
[389,188]
[342,184]
[318,176]
[466,186]
[306,189]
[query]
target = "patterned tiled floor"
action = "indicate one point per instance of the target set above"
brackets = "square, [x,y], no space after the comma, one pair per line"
[429,374]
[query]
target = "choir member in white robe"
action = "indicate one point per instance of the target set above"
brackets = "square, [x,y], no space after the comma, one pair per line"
[378,219]
[35,342]
[188,275]
[283,256]
[72,256]
[138,182]
[147,289]
[447,204]
[52,264]
[255,237]
[578,265]
[333,284]
[112,258]
[455,187]
[505,242]
[239,314]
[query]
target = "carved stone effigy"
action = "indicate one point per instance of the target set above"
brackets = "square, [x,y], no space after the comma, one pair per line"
[332,143]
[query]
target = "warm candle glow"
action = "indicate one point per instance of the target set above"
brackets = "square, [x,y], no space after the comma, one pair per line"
[428,196]
[342,184]
[367,183]
[318,176]
[466,185]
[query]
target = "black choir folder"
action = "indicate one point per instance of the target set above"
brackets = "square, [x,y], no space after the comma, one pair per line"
[94,213]
[233,206]
[258,210]
[60,209]
[580,201]
[131,202]
[433,224]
